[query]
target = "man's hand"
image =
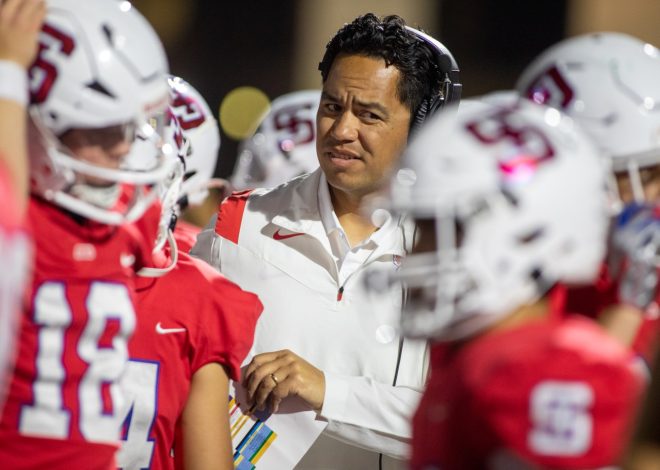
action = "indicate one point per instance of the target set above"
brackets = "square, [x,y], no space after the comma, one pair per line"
[276,375]
[20,23]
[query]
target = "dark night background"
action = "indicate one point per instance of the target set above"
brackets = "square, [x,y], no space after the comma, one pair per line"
[224,45]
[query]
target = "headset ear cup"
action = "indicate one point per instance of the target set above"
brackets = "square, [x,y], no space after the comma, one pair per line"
[426,109]
[450,87]
[419,116]
[435,104]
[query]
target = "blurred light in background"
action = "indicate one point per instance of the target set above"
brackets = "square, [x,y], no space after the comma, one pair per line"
[241,111]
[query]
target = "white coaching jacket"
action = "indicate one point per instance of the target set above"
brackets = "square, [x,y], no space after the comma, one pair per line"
[272,242]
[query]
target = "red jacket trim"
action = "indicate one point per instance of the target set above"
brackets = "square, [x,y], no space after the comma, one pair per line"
[230,215]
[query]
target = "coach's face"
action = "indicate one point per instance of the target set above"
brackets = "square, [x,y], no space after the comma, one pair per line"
[362,127]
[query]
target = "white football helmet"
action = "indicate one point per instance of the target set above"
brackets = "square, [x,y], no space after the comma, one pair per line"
[284,145]
[201,129]
[100,66]
[518,201]
[609,83]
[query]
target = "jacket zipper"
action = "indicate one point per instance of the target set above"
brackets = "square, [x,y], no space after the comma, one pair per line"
[367,262]
[340,294]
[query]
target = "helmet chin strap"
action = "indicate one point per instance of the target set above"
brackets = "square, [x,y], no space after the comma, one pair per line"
[174,257]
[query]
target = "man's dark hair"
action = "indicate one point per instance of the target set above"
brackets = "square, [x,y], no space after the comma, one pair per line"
[388,39]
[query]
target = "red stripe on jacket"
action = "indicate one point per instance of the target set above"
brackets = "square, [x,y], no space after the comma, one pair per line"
[230,215]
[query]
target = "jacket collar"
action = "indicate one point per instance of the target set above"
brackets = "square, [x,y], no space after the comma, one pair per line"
[303,215]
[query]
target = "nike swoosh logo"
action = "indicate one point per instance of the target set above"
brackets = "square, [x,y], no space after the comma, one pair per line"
[277,236]
[164,331]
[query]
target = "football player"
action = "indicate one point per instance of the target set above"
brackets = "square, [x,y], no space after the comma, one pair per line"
[509,205]
[20,22]
[609,83]
[97,83]
[283,146]
[200,129]
[193,331]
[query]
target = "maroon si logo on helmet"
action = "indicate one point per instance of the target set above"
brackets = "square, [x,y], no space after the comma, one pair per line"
[526,147]
[42,72]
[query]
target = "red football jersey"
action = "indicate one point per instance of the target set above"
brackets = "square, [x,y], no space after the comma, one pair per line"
[188,318]
[552,393]
[592,299]
[62,410]
[15,253]
[185,235]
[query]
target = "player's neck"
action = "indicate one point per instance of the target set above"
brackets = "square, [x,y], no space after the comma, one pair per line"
[348,209]
[524,314]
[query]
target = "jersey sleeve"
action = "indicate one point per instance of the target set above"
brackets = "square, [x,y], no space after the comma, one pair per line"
[185,235]
[226,331]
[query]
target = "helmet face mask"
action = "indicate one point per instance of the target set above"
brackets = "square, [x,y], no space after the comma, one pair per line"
[284,145]
[99,78]
[169,197]
[175,148]
[514,200]
[437,282]
[108,194]
[608,82]
[638,184]
[487,262]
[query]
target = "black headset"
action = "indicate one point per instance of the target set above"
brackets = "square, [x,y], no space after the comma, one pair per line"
[450,90]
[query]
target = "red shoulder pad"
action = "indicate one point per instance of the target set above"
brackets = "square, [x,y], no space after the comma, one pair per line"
[230,215]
